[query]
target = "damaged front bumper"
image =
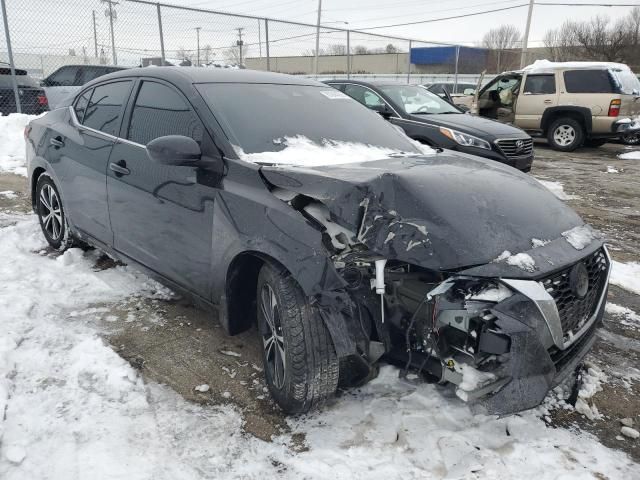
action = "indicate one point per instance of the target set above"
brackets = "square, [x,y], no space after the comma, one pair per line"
[537,338]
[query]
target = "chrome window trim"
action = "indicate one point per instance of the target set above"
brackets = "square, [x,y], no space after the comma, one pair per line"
[77,124]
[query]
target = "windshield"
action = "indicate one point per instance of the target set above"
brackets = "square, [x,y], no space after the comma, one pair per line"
[258,117]
[417,100]
[628,83]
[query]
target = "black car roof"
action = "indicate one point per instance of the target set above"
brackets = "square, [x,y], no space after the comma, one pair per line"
[190,75]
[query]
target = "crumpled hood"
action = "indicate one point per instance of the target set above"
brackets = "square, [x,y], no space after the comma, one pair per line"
[444,211]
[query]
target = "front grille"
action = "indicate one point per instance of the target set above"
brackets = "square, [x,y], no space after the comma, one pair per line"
[574,312]
[516,148]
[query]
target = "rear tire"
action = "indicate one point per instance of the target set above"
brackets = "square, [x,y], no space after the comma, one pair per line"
[51,214]
[300,363]
[565,134]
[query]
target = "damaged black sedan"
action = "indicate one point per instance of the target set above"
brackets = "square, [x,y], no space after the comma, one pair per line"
[282,202]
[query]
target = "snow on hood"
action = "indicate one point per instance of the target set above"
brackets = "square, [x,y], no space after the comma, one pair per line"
[304,152]
[547,65]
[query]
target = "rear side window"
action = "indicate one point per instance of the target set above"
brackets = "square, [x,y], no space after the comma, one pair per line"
[540,84]
[81,105]
[364,96]
[588,81]
[64,77]
[159,110]
[105,107]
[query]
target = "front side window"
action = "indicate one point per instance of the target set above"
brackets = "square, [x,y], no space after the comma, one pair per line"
[104,110]
[159,110]
[417,100]
[588,81]
[364,96]
[257,117]
[540,85]
[81,104]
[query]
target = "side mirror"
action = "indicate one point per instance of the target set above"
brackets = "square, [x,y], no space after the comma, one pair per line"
[383,110]
[175,150]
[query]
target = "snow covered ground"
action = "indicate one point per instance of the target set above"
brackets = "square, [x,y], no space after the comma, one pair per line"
[72,408]
[12,142]
[75,409]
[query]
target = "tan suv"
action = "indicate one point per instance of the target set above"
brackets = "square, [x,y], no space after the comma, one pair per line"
[571,104]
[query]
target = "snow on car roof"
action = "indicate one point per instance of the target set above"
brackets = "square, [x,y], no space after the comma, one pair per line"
[540,66]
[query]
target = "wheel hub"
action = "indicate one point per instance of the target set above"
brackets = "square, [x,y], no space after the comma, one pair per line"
[272,340]
[564,135]
[50,212]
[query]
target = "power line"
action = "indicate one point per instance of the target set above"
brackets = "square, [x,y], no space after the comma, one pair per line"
[448,18]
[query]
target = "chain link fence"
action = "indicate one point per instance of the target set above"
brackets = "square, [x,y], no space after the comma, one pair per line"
[48,49]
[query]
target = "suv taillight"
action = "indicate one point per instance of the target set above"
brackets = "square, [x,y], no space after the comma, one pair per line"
[42,100]
[614,108]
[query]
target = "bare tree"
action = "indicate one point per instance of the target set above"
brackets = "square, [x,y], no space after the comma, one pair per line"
[206,53]
[391,48]
[503,37]
[234,56]
[360,50]
[182,54]
[336,49]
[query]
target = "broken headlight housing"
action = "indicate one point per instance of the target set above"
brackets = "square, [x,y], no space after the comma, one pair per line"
[465,139]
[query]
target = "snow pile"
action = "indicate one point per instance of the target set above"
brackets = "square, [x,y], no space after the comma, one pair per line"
[75,409]
[547,65]
[493,293]
[581,236]
[592,381]
[304,152]
[557,189]
[626,275]
[10,194]
[627,316]
[12,154]
[633,155]
[537,243]
[472,378]
[611,169]
[521,260]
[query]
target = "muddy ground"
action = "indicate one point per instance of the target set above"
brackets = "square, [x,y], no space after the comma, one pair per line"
[173,343]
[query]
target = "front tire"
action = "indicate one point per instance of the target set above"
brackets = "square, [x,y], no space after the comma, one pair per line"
[300,363]
[631,139]
[51,214]
[565,134]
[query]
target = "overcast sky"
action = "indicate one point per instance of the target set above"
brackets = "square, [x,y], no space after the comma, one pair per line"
[369,13]
[66,25]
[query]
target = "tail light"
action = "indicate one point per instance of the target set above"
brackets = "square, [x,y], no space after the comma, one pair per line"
[614,108]
[42,100]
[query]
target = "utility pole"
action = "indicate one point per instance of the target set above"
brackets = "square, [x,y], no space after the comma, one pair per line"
[315,63]
[240,42]
[525,40]
[259,39]
[95,35]
[112,14]
[7,35]
[198,46]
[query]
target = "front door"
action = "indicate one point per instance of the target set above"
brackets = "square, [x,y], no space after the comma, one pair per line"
[162,216]
[538,94]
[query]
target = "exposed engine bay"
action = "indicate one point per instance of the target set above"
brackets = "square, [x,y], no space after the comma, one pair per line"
[504,336]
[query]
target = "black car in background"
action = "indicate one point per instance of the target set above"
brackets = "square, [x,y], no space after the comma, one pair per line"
[280,202]
[33,99]
[429,119]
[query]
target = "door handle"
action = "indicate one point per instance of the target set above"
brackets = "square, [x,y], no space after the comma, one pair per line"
[120,168]
[57,142]
[548,101]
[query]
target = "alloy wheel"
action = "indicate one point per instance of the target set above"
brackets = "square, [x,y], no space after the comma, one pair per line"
[51,212]
[564,135]
[273,340]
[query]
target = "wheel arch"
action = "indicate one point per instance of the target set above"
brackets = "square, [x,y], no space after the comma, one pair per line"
[581,114]
[35,176]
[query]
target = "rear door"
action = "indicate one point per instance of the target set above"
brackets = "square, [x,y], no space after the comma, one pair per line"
[83,151]
[162,216]
[538,93]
